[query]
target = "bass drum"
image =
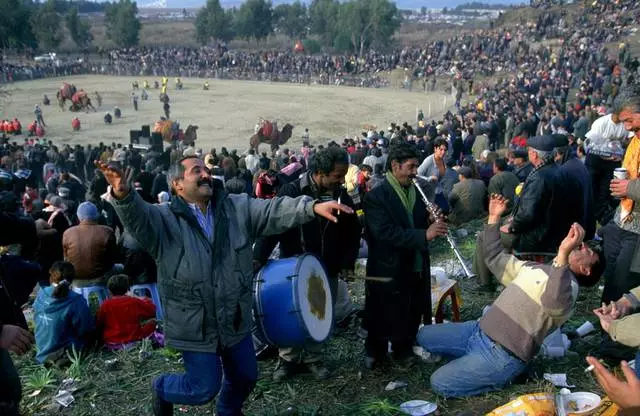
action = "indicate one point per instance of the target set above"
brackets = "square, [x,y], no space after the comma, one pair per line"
[293,302]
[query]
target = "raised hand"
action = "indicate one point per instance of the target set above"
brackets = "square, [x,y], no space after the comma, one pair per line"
[115,177]
[572,240]
[497,205]
[325,209]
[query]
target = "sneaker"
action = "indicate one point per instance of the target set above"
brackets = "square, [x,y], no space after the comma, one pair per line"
[284,370]
[161,407]
[319,371]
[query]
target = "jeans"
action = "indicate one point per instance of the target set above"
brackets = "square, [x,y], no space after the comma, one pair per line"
[638,364]
[480,365]
[204,378]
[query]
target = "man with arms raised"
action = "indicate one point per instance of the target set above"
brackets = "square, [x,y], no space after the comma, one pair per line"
[201,243]
[537,299]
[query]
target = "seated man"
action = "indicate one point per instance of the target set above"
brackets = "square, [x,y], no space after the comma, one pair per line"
[468,198]
[537,299]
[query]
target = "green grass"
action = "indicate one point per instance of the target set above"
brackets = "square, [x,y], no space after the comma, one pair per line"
[124,389]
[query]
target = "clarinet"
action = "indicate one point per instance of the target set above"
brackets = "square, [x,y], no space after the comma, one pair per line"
[433,210]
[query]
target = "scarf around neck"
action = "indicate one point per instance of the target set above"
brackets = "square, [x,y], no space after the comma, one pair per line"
[407,196]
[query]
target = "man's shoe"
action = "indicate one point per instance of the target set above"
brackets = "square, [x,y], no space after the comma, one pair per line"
[319,371]
[284,370]
[161,407]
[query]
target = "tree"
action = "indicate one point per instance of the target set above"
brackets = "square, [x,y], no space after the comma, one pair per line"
[15,25]
[254,19]
[445,10]
[46,26]
[291,19]
[212,22]
[423,11]
[78,28]
[323,16]
[123,27]
[367,23]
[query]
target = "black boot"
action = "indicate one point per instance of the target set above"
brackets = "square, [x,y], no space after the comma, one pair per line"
[161,407]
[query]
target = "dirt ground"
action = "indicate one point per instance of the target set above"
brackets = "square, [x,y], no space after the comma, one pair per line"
[226,114]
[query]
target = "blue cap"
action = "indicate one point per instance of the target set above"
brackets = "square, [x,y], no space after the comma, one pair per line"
[88,211]
[542,143]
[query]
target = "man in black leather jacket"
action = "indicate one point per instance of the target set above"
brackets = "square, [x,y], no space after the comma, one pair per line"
[530,224]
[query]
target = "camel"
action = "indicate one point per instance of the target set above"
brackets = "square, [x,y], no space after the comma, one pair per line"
[81,101]
[276,138]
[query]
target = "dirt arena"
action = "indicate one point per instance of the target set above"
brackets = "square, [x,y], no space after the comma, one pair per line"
[226,114]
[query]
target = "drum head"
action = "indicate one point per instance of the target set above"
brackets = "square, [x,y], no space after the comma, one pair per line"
[314,297]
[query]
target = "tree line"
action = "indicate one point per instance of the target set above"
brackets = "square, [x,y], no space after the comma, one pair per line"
[346,26]
[27,24]
[352,26]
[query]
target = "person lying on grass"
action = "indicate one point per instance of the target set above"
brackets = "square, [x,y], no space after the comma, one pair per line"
[124,319]
[62,317]
[490,353]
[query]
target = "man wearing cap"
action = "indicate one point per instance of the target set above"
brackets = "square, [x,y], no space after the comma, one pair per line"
[530,224]
[90,247]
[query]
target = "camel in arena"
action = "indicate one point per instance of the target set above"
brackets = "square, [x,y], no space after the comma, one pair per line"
[268,133]
[170,131]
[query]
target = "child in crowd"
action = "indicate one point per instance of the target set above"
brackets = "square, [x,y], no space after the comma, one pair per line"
[125,319]
[62,317]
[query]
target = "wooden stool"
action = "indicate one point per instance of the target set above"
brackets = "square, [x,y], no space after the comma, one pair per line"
[450,289]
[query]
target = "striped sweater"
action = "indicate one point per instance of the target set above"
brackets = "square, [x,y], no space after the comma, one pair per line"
[537,299]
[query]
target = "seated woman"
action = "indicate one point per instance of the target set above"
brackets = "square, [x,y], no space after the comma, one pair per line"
[62,317]
[124,319]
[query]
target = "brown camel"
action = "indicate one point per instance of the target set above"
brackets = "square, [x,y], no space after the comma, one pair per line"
[277,138]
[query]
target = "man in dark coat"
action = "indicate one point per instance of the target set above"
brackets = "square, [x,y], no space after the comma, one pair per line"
[335,244]
[530,224]
[398,294]
[575,197]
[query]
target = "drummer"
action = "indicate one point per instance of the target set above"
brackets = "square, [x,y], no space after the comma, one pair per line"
[207,304]
[335,244]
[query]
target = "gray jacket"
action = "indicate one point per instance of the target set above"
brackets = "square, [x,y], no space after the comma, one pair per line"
[206,286]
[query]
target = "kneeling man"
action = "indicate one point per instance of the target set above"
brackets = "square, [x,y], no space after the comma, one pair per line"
[537,299]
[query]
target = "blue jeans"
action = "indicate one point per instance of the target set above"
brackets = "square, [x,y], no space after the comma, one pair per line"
[638,364]
[203,378]
[480,365]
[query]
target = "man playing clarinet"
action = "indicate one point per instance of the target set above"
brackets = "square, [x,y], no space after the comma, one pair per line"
[397,231]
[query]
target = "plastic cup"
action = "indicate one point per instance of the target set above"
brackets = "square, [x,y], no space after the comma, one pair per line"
[585,328]
[620,173]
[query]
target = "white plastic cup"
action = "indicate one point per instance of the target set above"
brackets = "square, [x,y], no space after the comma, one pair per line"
[585,328]
[620,173]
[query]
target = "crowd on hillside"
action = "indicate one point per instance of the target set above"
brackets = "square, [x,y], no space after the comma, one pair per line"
[506,51]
